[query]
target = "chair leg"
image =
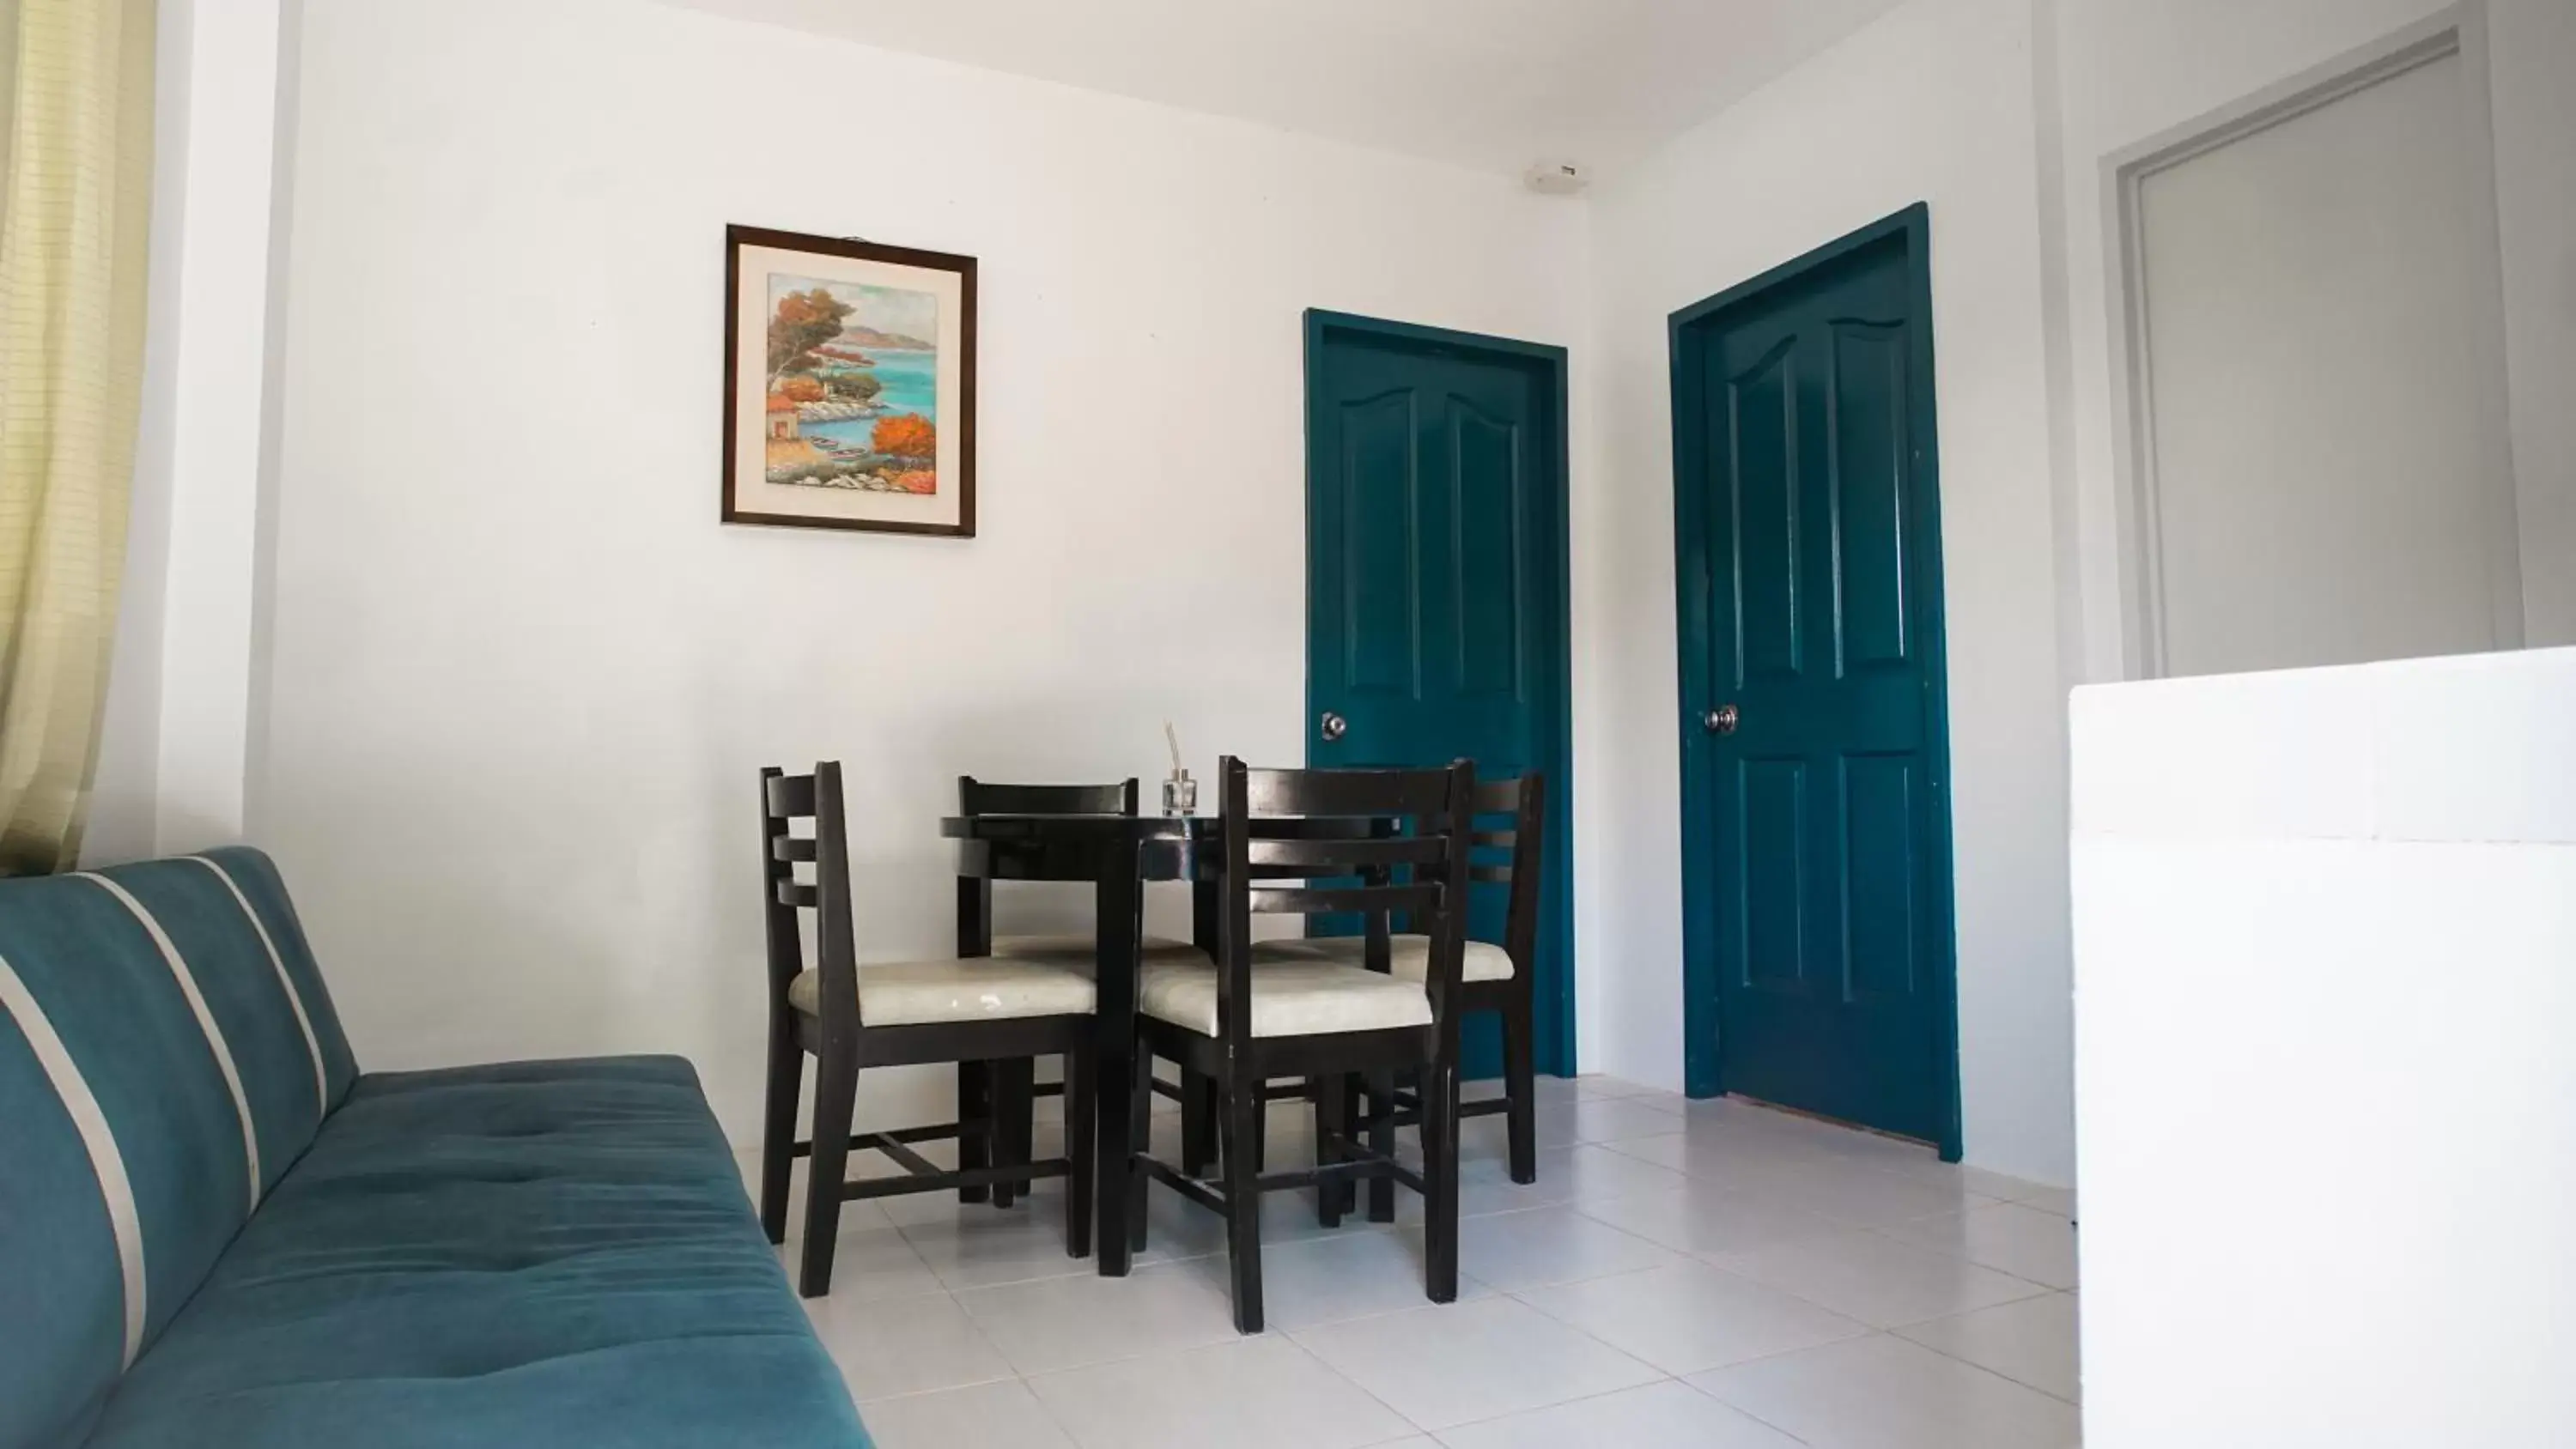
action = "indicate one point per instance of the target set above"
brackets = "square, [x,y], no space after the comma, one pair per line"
[1243,1114]
[1014,1112]
[1261,1128]
[1351,1097]
[778,1125]
[1381,1190]
[836,1092]
[974,1124]
[1330,1089]
[1081,1141]
[1520,1084]
[1140,1109]
[1198,1122]
[1440,1178]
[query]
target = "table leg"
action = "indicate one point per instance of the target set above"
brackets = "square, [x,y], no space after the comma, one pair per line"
[1121,916]
[975,1101]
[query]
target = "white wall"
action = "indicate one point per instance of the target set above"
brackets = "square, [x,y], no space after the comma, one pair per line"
[1932,103]
[2323,926]
[521,677]
[2134,70]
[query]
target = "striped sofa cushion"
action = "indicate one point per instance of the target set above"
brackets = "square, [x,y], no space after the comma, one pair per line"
[167,1051]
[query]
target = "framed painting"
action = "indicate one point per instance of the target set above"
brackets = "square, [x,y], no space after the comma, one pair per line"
[849,385]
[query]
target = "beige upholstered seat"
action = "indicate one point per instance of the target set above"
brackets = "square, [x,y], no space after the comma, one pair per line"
[990,988]
[1289,997]
[1407,956]
[1082,947]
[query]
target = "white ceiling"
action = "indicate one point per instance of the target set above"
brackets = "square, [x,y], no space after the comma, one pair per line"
[1497,84]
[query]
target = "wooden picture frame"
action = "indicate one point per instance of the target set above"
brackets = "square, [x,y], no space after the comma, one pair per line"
[849,385]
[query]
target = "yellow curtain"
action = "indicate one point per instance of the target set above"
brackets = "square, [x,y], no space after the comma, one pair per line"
[76,128]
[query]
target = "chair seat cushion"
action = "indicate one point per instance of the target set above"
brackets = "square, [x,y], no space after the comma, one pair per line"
[529,1253]
[1407,956]
[1083,948]
[979,988]
[1289,997]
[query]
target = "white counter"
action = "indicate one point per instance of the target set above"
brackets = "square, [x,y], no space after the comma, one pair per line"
[2325,980]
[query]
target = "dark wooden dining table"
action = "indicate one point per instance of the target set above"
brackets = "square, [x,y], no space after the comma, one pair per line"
[1118,854]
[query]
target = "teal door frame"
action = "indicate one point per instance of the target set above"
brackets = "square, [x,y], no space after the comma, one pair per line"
[1547,364]
[1704,1044]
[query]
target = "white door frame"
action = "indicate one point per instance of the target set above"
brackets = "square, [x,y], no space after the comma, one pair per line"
[2460,30]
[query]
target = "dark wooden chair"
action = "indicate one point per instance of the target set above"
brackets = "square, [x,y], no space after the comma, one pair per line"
[1508,845]
[1239,1027]
[848,1017]
[1007,1091]
[975,897]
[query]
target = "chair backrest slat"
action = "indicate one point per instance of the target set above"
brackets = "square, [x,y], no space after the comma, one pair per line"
[1347,792]
[1343,900]
[784,800]
[1402,835]
[780,802]
[1512,855]
[787,795]
[1349,855]
[975,797]
[979,797]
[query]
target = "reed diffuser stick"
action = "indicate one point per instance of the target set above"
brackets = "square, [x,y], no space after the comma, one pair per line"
[1173,739]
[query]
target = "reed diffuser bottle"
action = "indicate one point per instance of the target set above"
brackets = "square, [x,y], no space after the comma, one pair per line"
[1180,792]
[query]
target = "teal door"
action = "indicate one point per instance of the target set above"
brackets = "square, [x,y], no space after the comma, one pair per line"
[1816,816]
[1435,585]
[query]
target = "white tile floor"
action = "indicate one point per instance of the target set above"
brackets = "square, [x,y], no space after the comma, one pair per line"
[1682,1274]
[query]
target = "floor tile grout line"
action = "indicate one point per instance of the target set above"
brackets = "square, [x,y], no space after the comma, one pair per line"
[1717,1398]
[1029,1381]
[1662,1378]
[1868,1330]
[1825,1228]
[1828,1224]
[974,1326]
[1999,1373]
[1014,1376]
[2076,1404]
[1883,1230]
[1047,1410]
[867,1403]
[1833,1152]
[2042,1290]
[1961,1257]
[1401,1417]
[1576,1329]
[1769,1170]
[1091,1363]
[1981,1368]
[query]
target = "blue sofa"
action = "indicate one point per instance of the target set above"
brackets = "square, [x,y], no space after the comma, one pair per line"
[214,1231]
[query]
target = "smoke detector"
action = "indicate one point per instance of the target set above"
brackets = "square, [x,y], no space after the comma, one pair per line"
[1557,178]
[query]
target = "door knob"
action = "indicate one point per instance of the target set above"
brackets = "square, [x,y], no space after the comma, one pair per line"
[1721,720]
[1332,726]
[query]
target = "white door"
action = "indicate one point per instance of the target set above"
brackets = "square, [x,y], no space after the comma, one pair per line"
[2325,476]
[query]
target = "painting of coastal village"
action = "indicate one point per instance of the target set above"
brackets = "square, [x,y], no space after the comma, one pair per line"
[849,396]
[853,394]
